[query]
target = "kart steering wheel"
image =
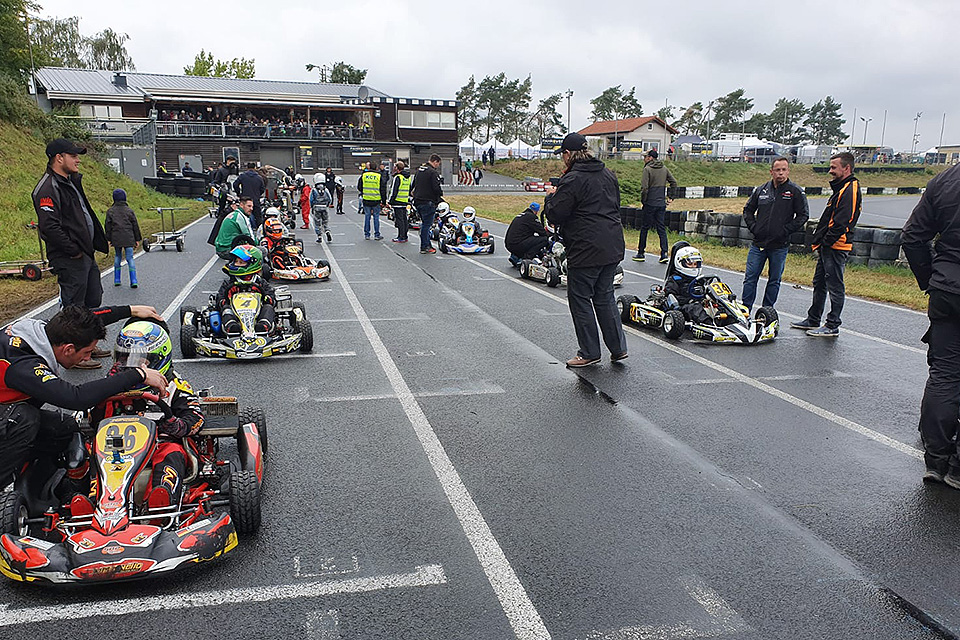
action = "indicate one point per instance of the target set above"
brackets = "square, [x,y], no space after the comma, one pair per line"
[144,395]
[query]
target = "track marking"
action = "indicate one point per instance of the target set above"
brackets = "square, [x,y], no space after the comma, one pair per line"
[418,317]
[282,356]
[520,612]
[421,576]
[302,394]
[187,288]
[850,425]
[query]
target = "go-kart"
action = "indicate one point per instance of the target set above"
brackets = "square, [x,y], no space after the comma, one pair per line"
[285,261]
[445,223]
[464,238]
[720,316]
[551,267]
[202,333]
[114,534]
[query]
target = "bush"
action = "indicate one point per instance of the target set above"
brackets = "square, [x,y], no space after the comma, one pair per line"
[18,108]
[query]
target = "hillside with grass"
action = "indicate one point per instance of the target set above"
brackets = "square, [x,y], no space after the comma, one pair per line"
[24,161]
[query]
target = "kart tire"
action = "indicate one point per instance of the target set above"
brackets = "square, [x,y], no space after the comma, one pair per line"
[13,514]
[187,346]
[492,245]
[673,324]
[767,316]
[303,309]
[553,277]
[443,246]
[258,417]
[180,245]
[623,306]
[267,271]
[146,245]
[306,335]
[524,268]
[245,501]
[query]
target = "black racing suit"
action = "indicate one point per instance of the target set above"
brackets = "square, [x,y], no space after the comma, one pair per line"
[30,378]
[688,299]
[266,319]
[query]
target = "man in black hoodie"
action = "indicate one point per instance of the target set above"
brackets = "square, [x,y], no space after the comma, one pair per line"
[586,207]
[653,197]
[526,237]
[774,211]
[251,185]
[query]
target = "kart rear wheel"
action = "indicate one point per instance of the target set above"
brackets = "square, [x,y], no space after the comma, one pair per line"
[258,417]
[185,309]
[492,245]
[623,306]
[553,277]
[524,268]
[245,501]
[306,335]
[673,324]
[13,514]
[187,346]
[443,246]
[767,316]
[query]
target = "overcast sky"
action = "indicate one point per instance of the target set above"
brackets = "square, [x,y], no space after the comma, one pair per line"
[870,55]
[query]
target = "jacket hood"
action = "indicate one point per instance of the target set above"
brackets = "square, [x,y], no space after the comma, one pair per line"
[32,332]
[587,165]
[655,164]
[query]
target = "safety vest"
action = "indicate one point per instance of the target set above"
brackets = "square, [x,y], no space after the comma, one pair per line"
[371,186]
[403,191]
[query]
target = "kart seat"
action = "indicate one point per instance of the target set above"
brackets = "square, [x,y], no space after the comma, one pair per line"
[671,269]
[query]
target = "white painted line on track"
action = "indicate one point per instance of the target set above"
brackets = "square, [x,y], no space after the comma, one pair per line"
[418,317]
[303,394]
[282,356]
[421,576]
[520,612]
[384,281]
[850,425]
[176,302]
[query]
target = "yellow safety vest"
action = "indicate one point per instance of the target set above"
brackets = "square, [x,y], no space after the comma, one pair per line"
[403,192]
[371,186]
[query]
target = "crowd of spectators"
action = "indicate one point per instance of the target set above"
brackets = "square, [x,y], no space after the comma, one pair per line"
[262,123]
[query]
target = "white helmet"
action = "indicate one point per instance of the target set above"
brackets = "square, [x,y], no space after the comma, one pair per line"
[688,262]
[319,178]
[443,209]
[469,213]
[298,177]
[338,180]
[271,212]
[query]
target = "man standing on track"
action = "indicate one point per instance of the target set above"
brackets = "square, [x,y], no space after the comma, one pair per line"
[373,195]
[399,199]
[427,194]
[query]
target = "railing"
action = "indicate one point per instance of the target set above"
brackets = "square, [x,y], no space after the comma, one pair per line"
[269,131]
[109,127]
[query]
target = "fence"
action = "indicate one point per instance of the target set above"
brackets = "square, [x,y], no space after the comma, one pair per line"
[266,131]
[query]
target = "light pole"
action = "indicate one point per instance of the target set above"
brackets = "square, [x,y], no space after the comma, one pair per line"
[323,70]
[866,123]
[916,137]
[569,95]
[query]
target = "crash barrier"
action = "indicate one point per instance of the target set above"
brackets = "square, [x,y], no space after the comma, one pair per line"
[464,177]
[873,246]
[177,186]
[744,192]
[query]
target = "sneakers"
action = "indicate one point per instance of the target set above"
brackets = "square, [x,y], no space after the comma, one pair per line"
[950,479]
[617,357]
[133,285]
[319,240]
[329,237]
[803,324]
[664,259]
[378,237]
[639,257]
[580,361]
[304,227]
[514,260]
[87,364]
[827,332]
[931,475]
[430,250]
[398,240]
[116,283]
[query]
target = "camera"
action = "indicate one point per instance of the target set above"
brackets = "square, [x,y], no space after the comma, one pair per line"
[555,181]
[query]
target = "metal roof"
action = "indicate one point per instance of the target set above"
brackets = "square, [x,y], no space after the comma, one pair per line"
[78,84]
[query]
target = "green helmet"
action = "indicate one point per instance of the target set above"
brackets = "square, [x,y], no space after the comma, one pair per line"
[248,264]
[145,344]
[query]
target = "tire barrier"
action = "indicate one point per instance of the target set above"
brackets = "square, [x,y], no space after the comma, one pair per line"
[677,193]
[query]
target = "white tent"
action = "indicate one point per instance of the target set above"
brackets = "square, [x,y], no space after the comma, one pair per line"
[521,149]
[469,148]
[499,147]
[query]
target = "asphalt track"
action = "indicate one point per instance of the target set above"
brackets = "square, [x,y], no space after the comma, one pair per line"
[436,472]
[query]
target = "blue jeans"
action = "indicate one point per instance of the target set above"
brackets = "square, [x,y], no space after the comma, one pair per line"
[371,211]
[755,261]
[828,279]
[119,254]
[590,294]
[427,211]
[653,218]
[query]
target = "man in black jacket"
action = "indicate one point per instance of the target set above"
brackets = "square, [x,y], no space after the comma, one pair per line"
[69,227]
[427,194]
[32,356]
[526,237]
[938,273]
[586,207]
[774,211]
[250,185]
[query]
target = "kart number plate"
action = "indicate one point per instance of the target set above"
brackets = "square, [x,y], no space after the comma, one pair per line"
[721,289]
[247,354]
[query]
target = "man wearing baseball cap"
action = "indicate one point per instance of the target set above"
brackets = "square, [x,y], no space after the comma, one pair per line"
[70,229]
[585,208]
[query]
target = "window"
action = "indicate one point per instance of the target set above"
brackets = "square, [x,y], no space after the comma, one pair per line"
[427,119]
[650,127]
[101,111]
[330,157]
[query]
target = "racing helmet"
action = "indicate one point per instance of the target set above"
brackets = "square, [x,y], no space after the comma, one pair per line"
[271,212]
[250,262]
[688,262]
[273,228]
[443,209]
[144,344]
[319,178]
[299,181]
[469,213]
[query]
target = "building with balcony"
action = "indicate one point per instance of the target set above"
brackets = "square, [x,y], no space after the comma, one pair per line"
[202,120]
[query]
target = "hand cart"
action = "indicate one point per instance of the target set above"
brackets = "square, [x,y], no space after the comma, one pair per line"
[164,238]
[27,269]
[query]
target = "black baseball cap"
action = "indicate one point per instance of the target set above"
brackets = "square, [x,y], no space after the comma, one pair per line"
[573,142]
[62,145]
[653,153]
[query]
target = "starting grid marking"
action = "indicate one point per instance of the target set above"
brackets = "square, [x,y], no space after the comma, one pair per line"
[302,394]
[284,356]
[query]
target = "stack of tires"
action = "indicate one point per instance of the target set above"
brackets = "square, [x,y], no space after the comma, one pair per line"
[862,242]
[183,187]
[675,220]
[198,187]
[695,225]
[153,183]
[167,186]
[885,248]
[746,238]
[630,217]
[729,231]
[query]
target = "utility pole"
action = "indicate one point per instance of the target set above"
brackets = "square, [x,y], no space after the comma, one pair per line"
[866,125]
[883,129]
[916,138]
[569,95]
[33,70]
[854,128]
[942,123]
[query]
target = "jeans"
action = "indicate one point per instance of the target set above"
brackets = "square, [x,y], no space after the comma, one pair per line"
[427,211]
[371,211]
[118,254]
[828,278]
[755,261]
[941,396]
[590,294]
[79,280]
[653,217]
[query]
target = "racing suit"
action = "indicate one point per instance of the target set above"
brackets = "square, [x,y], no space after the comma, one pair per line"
[305,205]
[319,201]
[266,319]
[687,299]
[29,378]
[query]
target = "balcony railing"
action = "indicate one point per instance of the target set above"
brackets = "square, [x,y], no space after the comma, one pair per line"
[269,131]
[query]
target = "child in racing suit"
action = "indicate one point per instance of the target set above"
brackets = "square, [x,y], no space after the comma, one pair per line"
[469,215]
[680,289]
[319,200]
[243,275]
[146,343]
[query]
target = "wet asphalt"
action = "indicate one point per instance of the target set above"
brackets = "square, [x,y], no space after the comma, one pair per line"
[436,472]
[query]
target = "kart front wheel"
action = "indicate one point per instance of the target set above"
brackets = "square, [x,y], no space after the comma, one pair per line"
[524,268]
[13,514]
[146,245]
[187,346]
[673,324]
[767,316]
[553,277]
[245,501]
[492,245]
[306,335]
[259,418]
[623,306]
[443,246]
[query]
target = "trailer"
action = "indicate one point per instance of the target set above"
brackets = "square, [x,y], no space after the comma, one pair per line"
[27,269]
[164,238]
